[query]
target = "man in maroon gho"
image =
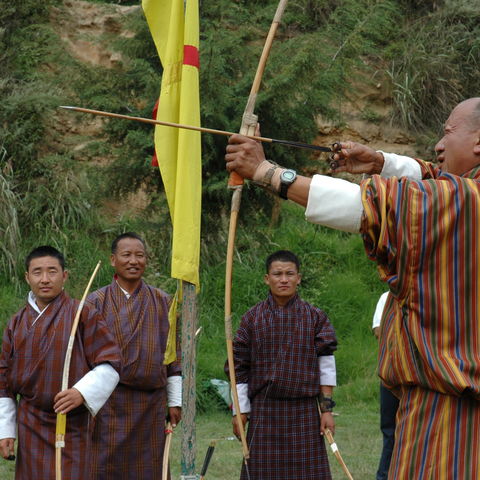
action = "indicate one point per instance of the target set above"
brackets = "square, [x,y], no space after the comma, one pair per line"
[129,434]
[285,372]
[31,364]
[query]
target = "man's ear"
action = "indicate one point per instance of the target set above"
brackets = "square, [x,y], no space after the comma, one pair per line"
[112,260]
[476,147]
[65,276]
[265,279]
[299,281]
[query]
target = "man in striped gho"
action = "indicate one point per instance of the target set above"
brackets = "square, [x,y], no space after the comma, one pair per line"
[33,354]
[420,223]
[285,372]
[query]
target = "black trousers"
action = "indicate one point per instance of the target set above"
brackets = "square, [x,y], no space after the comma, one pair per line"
[388,411]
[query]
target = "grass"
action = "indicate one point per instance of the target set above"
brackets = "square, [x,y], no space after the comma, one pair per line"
[357,436]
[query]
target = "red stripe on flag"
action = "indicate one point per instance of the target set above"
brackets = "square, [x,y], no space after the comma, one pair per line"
[191,56]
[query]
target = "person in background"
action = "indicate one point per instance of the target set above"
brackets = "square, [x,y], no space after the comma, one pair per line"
[129,434]
[33,353]
[285,373]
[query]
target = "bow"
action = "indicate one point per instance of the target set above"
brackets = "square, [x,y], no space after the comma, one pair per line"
[61,426]
[166,450]
[249,124]
[334,448]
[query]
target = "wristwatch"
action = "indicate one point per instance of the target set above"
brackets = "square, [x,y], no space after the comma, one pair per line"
[287,177]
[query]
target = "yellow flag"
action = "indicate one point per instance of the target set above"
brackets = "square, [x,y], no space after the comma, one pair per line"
[176,36]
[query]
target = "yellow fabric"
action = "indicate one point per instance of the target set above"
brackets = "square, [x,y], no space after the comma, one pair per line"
[178,151]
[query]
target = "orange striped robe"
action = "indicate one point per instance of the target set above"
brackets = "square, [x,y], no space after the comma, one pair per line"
[425,237]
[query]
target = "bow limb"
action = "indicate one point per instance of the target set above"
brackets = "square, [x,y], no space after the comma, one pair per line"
[61,425]
[166,450]
[333,447]
[249,123]
[336,452]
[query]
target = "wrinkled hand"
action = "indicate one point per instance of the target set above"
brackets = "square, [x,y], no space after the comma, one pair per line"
[7,447]
[236,431]
[174,415]
[327,422]
[244,155]
[67,400]
[354,157]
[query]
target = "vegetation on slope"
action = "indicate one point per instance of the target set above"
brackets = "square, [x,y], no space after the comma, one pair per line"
[57,185]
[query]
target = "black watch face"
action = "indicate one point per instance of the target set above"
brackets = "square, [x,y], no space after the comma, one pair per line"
[288,175]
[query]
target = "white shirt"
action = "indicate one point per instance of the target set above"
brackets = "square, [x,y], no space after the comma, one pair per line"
[337,203]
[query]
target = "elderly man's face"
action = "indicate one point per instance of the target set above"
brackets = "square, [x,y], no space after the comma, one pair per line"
[459,149]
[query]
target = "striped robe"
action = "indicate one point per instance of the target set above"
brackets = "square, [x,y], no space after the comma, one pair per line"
[276,352]
[129,434]
[31,366]
[425,237]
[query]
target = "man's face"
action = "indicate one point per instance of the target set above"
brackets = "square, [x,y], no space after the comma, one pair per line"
[130,259]
[283,279]
[46,279]
[459,149]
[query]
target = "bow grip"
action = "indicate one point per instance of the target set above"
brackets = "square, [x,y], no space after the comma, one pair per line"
[235,180]
[249,127]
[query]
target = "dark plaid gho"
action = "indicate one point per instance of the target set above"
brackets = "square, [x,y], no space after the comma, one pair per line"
[276,352]
[129,434]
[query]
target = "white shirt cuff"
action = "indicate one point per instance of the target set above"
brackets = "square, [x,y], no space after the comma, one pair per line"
[328,371]
[8,418]
[335,203]
[400,166]
[243,400]
[377,316]
[97,385]
[174,391]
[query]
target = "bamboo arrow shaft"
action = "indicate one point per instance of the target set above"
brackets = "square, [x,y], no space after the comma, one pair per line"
[213,131]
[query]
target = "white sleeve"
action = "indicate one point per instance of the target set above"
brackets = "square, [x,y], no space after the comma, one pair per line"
[335,203]
[377,316]
[97,385]
[400,166]
[243,400]
[174,391]
[8,418]
[328,371]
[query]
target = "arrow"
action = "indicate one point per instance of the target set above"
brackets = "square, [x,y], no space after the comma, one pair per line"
[288,143]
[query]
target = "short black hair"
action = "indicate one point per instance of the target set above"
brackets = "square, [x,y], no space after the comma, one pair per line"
[45,251]
[282,256]
[127,235]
